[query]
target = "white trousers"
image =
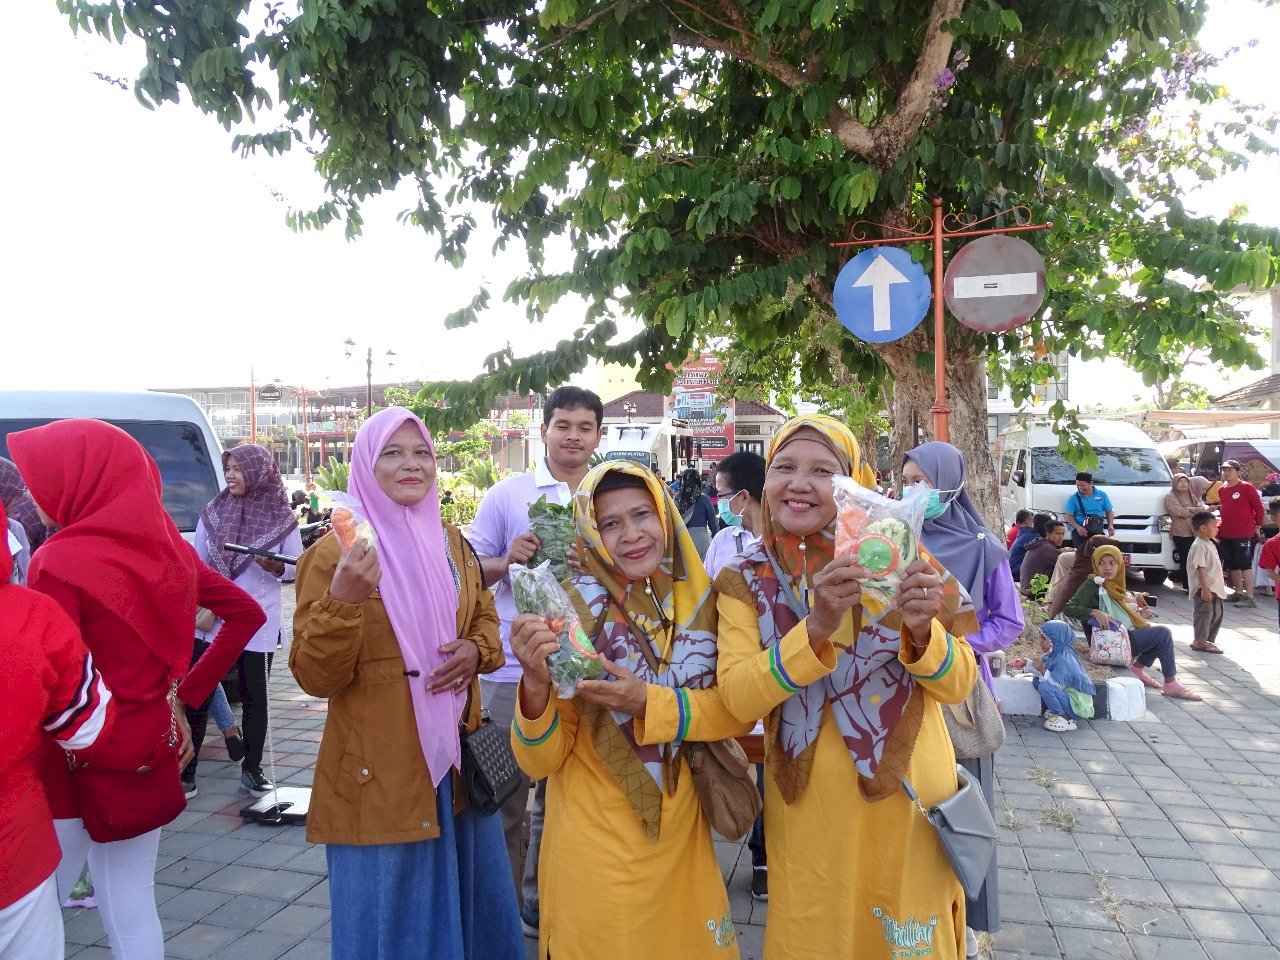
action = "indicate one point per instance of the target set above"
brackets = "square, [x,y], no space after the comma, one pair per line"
[31,928]
[124,880]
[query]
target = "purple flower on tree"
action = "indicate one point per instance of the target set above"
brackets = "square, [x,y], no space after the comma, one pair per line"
[945,79]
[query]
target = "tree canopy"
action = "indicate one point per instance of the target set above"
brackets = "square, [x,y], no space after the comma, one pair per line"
[695,158]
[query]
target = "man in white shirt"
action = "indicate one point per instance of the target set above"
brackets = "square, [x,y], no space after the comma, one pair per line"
[571,429]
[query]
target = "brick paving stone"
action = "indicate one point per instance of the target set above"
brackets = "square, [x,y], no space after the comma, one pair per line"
[297,918]
[1257,900]
[1164,846]
[193,904]
[1023,940]
[1235,926]
[309,950]
[1240,876]
[186,872]
[1065,886]
[201,940]
[263,945]
[244,911]
[1160,948]
[1091,942]
[1219,950]
[1202,896]
[1270,925]
[1193,871]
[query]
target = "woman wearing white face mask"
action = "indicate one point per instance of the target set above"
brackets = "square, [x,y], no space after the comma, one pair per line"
[956,536]
[739,485]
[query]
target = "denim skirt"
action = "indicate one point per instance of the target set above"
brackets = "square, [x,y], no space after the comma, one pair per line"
[450,898]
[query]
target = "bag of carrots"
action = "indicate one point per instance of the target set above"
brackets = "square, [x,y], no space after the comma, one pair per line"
[348,523]
[882,535]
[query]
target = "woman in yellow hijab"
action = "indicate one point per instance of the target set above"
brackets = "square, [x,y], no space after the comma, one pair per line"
[627,868]
[852,691]
[1120,608]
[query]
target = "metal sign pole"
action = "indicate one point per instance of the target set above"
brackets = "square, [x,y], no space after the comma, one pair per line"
[934,232]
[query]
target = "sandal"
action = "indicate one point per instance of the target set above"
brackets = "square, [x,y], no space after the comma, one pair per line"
[1175,689]
[1059,724]
[1206,647]
[1145,677]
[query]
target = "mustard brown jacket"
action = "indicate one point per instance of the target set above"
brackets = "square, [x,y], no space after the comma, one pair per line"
[371,784]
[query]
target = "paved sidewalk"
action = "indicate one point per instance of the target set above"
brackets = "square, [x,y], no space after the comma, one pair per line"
[1122,841]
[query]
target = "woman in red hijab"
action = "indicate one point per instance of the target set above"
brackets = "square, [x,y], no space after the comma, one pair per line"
[129,581]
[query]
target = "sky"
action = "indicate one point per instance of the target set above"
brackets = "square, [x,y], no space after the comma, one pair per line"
[140,251]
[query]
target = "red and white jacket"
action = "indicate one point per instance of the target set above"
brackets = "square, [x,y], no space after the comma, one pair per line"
[50,689]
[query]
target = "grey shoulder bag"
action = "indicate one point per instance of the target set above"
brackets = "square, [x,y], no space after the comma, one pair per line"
[965,829]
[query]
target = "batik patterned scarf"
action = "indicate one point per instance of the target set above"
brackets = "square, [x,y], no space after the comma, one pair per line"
[259,518]
[874,700]
[672,609]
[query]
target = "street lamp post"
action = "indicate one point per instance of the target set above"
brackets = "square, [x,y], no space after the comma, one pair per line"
[629,409]
[368,372]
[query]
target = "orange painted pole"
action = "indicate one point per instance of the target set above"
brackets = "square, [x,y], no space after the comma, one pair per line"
[306,438]
[941,412]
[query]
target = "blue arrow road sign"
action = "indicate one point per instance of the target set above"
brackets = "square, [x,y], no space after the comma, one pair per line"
[882,294]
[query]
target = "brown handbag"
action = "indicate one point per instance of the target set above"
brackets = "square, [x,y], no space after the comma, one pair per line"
[722,775]
[975,724]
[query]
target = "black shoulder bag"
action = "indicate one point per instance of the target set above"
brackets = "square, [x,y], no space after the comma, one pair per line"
[1092,523]
[490,774]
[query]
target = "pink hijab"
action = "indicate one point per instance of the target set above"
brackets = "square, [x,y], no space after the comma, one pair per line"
[418,587]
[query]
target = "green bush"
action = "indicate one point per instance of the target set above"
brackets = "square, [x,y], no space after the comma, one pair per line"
[334,476]
[463,509]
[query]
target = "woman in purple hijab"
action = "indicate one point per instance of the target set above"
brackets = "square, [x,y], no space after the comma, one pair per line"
[253,511]
[955,534]
[19,505]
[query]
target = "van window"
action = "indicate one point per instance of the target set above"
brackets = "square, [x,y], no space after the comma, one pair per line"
[1117,467]
[179,451]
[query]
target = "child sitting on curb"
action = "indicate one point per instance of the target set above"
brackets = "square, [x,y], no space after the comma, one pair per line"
[1066,692]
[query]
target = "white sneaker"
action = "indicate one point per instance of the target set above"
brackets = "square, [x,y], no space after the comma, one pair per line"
[1060,724]
[970,943]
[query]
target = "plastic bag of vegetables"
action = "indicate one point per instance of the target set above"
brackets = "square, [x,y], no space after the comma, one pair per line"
[882,535]
[552,524]
[536,590]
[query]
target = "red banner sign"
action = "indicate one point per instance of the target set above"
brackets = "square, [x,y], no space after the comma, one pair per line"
[695,399]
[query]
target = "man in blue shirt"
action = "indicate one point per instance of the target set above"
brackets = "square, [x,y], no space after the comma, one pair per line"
[1089,511]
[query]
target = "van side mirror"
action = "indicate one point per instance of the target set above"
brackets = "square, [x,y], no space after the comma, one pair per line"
[1020,478]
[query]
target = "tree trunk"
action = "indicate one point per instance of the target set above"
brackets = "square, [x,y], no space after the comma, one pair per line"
[967,397]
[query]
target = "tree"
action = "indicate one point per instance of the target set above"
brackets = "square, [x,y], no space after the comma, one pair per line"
[696,157]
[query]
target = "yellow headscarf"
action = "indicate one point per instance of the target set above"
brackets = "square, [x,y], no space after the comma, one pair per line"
[680,585]
[1116,587]
[802,558]
[672,609]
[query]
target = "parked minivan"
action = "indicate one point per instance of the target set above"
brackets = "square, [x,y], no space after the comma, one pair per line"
[1203,456]
[1034,476]
[172,428]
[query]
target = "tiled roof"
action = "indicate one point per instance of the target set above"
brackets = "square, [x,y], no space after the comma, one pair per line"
[1255,394]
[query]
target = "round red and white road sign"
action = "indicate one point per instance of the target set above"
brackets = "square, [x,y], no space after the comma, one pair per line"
[994,284]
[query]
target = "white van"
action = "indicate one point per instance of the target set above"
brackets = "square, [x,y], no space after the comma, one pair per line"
[1131,470]
[172,428]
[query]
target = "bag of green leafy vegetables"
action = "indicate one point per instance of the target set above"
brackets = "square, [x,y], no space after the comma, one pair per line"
[538,591]
[552,524]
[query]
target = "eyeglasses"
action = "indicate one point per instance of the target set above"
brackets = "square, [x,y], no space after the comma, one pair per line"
[726,494]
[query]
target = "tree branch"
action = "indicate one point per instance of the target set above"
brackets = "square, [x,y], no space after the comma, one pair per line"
[779,69]
[883,144]
[577,27]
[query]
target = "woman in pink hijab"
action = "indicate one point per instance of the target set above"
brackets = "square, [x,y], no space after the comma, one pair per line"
[395,630]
